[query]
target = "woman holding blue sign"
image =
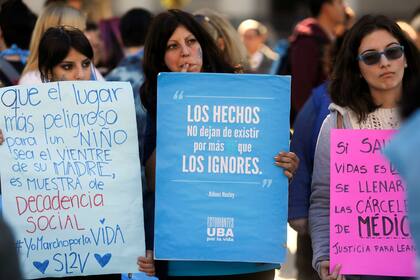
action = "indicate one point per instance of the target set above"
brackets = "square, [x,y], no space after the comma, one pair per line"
[176,42]
[371,74]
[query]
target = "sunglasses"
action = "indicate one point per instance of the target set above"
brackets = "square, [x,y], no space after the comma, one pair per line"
[373,57]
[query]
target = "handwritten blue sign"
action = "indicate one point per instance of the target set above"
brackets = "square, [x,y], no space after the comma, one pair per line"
[70,175]
[219,196]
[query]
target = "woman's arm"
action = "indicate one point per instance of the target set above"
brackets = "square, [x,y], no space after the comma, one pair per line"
[288,161]
[319,209]
[147,264]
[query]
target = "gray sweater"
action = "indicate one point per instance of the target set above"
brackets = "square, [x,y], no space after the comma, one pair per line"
[319,210]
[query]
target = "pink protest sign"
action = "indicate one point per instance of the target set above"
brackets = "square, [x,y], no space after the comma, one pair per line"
[369,233]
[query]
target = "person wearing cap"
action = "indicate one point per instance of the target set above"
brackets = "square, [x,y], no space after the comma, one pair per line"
[254,35]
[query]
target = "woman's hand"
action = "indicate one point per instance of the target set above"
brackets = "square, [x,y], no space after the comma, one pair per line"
[1,137]
[147,264]
[325,272]
[288,161]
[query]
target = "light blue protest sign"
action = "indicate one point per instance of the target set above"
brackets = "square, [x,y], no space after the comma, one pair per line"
[70,176]
[219,196]
[403,152]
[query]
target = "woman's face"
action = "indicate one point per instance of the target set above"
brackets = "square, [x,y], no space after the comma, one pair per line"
[387,73]
[183,52]
[75,66]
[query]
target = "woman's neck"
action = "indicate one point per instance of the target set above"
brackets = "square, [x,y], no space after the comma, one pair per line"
[388,98]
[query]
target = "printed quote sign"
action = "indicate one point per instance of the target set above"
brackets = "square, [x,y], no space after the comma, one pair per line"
[219,195]
[369,225]
[70,177]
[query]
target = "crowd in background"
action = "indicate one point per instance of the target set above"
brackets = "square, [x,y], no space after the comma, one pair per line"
[346,73]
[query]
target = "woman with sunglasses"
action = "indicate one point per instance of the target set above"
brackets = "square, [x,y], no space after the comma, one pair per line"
[369,78]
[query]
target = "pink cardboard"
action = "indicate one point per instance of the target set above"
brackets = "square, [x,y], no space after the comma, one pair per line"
[369,232]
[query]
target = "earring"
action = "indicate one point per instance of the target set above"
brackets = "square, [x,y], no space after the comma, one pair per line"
[405,65]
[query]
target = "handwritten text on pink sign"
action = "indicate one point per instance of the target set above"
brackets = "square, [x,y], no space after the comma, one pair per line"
[369,225]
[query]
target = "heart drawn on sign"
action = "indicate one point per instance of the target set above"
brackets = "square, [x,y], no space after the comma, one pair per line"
[103,260]
[41,266]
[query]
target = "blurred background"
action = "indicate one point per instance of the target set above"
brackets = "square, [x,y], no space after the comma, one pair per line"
[279,15]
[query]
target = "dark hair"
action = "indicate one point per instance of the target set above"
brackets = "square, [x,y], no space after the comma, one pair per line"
[411,102]
[133,26]
[91,26]
[316,5]
[55,45]
[347,88]
[161,29]
[17,23]
[51,2]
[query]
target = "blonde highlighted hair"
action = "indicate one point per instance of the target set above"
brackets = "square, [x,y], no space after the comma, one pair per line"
[225,36]
[52,16]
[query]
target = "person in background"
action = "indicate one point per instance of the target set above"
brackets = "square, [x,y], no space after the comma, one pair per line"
[16,25]
[307,47]
[349,20]
[306,129]
[112,44]
[134,25]
[77,4]
[408,30]
[226,37]
[311,40]
[415,23]
[176,42]
[53,15]
[370,75]
[94,36]
[261,57]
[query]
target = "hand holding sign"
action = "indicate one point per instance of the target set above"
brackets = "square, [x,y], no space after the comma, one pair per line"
[325,272]
[289,161]
[147,264]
